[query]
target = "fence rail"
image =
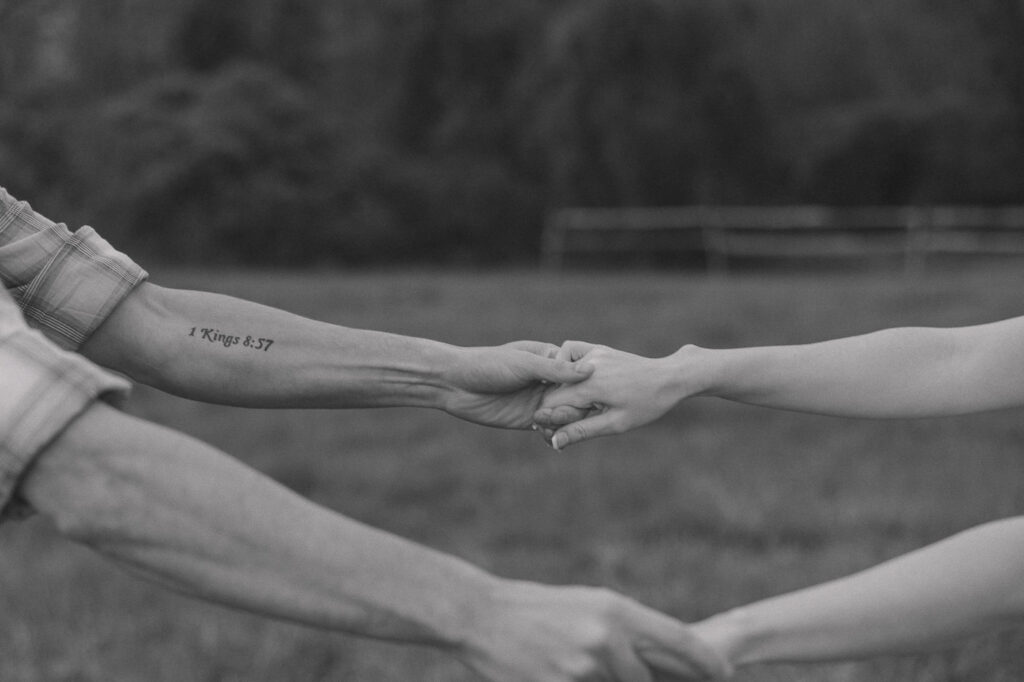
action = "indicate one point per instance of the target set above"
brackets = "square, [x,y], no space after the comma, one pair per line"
[723,233]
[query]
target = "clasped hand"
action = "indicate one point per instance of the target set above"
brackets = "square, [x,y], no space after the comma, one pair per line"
[570,393]
[621,392]
[573,393]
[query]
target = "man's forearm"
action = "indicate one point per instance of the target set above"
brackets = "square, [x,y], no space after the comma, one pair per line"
[959,587]
[904,372]
[189,516]
[217,348]
[186,515]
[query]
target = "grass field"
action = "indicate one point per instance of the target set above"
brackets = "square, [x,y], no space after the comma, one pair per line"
[715,505]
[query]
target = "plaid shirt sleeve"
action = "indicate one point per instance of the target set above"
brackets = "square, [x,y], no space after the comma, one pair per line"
[44,388]
[66,283]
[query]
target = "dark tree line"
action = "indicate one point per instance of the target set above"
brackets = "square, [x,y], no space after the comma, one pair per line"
[305,131]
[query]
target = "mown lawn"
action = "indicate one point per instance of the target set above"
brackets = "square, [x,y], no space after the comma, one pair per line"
[715,505]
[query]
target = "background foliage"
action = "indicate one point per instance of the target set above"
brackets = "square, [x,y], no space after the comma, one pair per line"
[316,131]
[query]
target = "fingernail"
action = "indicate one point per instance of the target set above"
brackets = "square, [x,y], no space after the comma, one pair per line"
[533,427]
[560,441]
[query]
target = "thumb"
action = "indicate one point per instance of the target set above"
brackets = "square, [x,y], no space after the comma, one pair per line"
[668,645]
[558,415]
[559,371]
[541,348]
[574,350]
[599,425]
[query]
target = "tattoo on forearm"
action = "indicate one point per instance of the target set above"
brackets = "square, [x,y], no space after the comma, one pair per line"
[229,340]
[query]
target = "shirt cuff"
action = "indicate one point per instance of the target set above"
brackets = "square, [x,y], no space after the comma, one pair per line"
[79,287]
[45,388]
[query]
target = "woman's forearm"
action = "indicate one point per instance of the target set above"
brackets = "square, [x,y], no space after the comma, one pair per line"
[183,513]
[903,372]
[965,585]
[222,349]
[907,372]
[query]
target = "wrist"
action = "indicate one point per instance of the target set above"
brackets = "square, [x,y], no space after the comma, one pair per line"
[475,634]
[447,361]
[732,634]
[418,373]
[456,368]
[690,370]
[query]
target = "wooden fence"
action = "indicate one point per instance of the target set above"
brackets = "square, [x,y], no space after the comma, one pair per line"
[720,235]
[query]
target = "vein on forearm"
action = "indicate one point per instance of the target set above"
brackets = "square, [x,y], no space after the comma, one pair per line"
[221,349]
[182,513]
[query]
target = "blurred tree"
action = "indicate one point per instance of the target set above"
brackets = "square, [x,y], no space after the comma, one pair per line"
[290,34]
[446,128]
[450,128]
[233,166]
[1003,21]
[456,60]
[296,31]
[23,26]
[214,32]
[640,103]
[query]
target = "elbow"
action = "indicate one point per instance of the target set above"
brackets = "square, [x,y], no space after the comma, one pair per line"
[98,512]
[89,491]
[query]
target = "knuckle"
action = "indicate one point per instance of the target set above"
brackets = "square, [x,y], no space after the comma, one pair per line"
[580,668]
[617,425]
[562,413]
[577,431]
[607,607]
[597,635]
[612,603]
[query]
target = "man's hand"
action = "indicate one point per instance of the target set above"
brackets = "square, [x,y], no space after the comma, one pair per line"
[502,386]
[624,391]
[541,633]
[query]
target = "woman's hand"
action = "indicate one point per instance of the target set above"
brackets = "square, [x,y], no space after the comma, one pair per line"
[570,634]
[623,392]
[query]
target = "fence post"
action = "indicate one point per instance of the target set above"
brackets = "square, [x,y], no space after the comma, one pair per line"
[918,225]
[715,241]
[553,241]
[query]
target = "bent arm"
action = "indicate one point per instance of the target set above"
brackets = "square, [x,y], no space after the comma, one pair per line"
[962,586]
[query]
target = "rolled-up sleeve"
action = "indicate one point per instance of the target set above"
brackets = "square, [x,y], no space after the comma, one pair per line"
[42,388]
[66,283]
